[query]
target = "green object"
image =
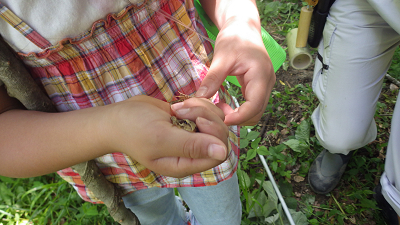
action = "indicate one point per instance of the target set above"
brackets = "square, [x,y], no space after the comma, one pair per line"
[275,51]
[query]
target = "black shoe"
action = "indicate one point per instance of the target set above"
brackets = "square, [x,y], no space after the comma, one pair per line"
[321,184]
[387,211]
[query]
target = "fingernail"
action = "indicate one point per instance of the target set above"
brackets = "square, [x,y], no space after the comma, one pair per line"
[177,106]
[217,152]
[201,92]
[201,120]
[182,111]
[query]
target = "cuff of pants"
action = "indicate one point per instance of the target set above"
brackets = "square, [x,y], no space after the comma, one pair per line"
[391,194]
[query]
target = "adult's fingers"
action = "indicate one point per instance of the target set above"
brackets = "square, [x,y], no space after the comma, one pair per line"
[219,70]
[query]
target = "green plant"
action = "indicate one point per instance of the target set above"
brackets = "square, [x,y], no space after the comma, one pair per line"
[394,69]
[283,14]
[46,200]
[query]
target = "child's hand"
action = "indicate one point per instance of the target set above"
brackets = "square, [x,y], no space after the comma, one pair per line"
[142,129]
[239,51]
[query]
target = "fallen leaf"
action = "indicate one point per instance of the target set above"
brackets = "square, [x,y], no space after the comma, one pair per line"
[352,220]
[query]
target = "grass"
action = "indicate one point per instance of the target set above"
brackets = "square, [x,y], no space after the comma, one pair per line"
[290,146]
[284,136]
[46,200]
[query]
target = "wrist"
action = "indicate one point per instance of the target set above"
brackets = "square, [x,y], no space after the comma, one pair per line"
[225,12]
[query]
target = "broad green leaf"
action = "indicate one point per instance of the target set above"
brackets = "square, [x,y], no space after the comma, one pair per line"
[91,211]
[272,219]
[251,154]
[360,161]
[255,143]
[298,217]
[268,207]
[271,7]
[267,186]
[307,198]
[303,131]
[257,209]
[7,180]
[286,188]
[262,150]
[366,203]
[274,166]
[244,143]
[275,150]
[252,135]
[243,132]
[291,202]
[244,179]
[297,145]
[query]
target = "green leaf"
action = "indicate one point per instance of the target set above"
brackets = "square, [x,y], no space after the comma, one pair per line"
[303,131]
[286,188]
[262,150]
[244,179]
[267,186]
[244,143]
[251,154]
[7,180]
[296,145]
[276,150]
[268,207]
[360,161]
[255,143]
[291,202]
[257,210]
[252,135]
[274,166]
[299,218]
[366,203]
[91,210]
[272,219]
[243,132]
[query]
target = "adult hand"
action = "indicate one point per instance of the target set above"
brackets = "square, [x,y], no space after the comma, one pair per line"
[143,130]
[239,51]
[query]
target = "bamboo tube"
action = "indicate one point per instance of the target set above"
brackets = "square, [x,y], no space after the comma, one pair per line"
[304,26]
[299,58]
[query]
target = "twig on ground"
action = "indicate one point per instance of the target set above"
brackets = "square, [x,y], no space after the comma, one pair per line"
[392,79]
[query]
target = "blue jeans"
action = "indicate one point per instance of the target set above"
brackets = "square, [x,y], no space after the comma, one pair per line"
[219,204]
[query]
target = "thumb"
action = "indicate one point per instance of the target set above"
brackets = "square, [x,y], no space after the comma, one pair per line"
[199,152]
[195,146]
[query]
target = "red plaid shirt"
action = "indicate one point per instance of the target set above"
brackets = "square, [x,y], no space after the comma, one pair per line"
[135,52]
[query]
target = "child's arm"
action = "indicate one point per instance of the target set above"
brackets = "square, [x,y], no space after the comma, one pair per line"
[239,51]
[35,143]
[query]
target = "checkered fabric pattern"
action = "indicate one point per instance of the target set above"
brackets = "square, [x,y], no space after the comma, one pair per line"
[22,27]
[135,52]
